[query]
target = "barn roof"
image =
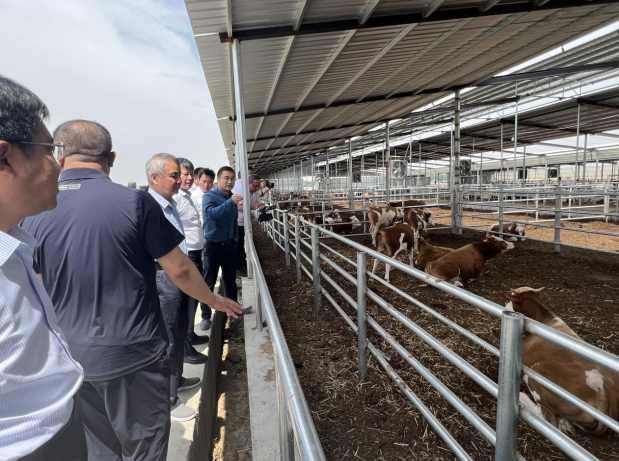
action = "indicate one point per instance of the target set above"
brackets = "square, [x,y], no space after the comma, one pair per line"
[316,72]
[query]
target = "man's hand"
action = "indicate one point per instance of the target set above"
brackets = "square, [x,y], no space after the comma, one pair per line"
[237,198]
[226,305]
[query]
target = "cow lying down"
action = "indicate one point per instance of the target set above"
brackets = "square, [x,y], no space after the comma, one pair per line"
[587,381]
[465,264]
[427,253]
[516,230]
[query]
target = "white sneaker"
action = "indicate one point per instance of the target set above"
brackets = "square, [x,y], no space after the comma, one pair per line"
[181,412]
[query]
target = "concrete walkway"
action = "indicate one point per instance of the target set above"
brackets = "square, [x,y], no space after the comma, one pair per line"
[261,382]
[181,434]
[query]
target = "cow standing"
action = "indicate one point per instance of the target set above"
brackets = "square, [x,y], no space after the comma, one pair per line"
[383,217]
[466,263]
[393,240]
[589,382]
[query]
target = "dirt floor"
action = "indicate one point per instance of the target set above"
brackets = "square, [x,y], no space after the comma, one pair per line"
[232,433]
[373,420]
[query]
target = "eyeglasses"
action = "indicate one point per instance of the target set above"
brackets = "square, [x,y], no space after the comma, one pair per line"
[57,147]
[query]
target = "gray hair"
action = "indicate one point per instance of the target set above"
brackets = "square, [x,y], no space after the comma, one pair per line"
[184,163]
[88,141]
[20,112]
[156,165]
[254,177]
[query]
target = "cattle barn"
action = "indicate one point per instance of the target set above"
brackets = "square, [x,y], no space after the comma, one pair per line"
[478,138]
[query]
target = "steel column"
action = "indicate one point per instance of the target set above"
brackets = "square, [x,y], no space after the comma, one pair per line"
[297,246]
[388,158]
[456,166]
[558,214]
[351,196]
[512,324]
[362,339]
[501,166]
[241,146]
[584,161]
[576,172]
[316,268]
[287,237]
[327,171]
[515,143]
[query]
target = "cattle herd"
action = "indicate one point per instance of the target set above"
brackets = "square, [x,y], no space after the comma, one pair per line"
[396,227]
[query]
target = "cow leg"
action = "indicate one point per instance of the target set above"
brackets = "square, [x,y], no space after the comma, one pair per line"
[375,266]
[411,257]
[387,269]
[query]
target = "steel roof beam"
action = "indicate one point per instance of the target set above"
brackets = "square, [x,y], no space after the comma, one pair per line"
[487,5]
[590,102]
[431,8]
[403,19]
[488,82]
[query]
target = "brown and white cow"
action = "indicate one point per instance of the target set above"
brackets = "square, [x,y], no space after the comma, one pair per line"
[403,203]
[593,384]
[427,253]
[517,230]
[466,263]
[380,217]
[393,240]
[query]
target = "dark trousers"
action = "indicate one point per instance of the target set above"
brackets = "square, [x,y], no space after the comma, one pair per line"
[174,306]
[128,418]
[196,258]
[68,444]
[218,256]
[241,257]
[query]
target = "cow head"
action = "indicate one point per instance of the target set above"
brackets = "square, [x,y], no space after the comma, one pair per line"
[520,230]
[355,221]
[527,301]
[493,246]
[330,218]
[427,217]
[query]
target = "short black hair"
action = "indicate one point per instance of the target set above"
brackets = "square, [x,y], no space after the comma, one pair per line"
[21,111]
[205,171]
[254,177]
[197,171]
[184,163]
[224,168]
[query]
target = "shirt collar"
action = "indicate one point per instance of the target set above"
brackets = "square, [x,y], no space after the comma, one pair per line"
[220,192]
[73,174]
[184,193]
[162,201]
[9,242]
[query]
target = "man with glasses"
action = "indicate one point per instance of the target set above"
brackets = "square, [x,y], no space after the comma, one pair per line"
[219,209]
[96,254]
[39,418]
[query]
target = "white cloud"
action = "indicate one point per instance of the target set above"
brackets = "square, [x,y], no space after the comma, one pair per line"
[130,65]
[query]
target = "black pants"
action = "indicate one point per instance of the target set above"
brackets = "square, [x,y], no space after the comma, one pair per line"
[241,257]
[68,444]
[196,258]
[174,306]
[128,418]
[218,256]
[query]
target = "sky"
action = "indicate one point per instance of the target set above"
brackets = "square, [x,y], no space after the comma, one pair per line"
[131,65]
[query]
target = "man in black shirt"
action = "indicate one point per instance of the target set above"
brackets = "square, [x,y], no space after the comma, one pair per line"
[96,255]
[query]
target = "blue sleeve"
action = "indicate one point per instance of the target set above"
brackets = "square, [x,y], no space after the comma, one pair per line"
[211,211]
[235,232]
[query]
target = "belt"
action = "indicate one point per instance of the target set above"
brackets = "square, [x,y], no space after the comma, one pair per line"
[223,244]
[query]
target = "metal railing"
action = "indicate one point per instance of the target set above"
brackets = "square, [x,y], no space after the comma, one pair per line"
[506,391]
[296,427]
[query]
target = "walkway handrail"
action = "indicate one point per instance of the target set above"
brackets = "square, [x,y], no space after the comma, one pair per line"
[293,410]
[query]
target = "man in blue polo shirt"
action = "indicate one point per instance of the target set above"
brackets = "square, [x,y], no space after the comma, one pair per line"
[219,208]
[96,255]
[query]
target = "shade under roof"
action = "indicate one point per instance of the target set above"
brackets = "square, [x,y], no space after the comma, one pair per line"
[311,78]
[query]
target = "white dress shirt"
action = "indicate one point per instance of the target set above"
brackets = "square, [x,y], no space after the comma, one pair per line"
[254,199]
[190,217]
[170,212]
[196,197]
[38,376]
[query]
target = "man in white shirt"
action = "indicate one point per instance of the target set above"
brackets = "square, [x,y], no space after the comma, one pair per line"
[255,203]
[204,178]
[194,237]
[38,417]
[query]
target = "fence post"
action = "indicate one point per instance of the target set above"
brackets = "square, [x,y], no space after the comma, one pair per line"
[287,237]
[316,268]
[501,210]
[606,201]
[297,245]
[558,215]
[512,324]
[286,436]
[536,207]
[273,228]
[362,339]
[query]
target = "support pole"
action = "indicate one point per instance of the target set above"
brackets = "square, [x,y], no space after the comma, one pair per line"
[351,193]
[510,366]
[584,161]
[387,157]
[362,339]
[455,229]
[241,146]
[327,171]
[316,268]
[558,213]
[515,144]
[297,246]
[287,237]
[524,165]
[576,172]
[501,177]
[312,175]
